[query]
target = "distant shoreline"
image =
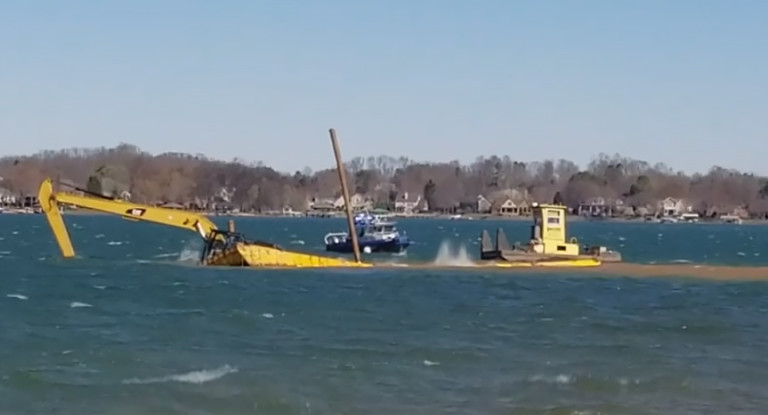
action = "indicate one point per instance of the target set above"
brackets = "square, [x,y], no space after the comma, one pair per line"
[466,217]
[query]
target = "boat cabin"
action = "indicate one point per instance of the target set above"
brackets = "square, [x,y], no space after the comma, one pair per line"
[376,228]
[548,235]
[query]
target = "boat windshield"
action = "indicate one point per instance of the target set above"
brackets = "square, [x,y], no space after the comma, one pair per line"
[378,228]
[384,228]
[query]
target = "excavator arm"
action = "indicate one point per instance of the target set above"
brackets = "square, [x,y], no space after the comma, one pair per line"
[50,200]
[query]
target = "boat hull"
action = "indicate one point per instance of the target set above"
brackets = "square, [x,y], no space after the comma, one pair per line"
[392,245]
[524,256]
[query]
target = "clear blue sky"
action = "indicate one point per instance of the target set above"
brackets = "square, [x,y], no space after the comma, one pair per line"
[683,82]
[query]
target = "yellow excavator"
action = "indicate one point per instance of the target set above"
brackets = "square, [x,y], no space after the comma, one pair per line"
[222,247]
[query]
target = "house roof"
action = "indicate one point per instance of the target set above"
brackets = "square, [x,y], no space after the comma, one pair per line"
[408,197]
[323,205]
[498,203]
[670,199]
[504,202]
[517,196]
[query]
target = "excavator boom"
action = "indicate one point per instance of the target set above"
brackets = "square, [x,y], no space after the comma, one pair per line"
[50,200]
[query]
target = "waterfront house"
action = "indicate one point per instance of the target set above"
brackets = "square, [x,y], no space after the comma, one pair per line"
[508,207]
[322,206]
[6,197]
[358,201]
[408,204]
[727,210]
[671,206]
[595,206]
[510,202]
[483,204]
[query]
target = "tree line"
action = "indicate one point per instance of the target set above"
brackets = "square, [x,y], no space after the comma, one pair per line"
[187,178]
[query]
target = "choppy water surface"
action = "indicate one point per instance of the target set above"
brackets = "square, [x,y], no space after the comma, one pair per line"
[131,327]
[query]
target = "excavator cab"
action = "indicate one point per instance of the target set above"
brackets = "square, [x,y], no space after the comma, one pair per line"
[219,242]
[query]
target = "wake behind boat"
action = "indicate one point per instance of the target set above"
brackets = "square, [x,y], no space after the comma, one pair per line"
[373,235]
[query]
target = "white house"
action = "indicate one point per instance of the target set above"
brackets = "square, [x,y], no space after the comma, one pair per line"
[671,206]
[408,204]
[483,204]
[7,197]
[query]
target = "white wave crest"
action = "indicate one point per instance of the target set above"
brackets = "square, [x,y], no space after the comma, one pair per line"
[561,379]
[196,377]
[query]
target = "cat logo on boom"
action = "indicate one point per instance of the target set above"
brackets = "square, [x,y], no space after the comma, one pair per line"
[135,212]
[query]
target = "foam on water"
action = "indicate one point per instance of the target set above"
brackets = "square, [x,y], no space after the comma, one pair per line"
[196,377]
[168,255]
[559,379]
[190,253]
[448,256]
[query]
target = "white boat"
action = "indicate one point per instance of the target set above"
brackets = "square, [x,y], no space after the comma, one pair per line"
[731,219]
[689,217]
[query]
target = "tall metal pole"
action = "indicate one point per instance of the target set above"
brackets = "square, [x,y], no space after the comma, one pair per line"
[345,191]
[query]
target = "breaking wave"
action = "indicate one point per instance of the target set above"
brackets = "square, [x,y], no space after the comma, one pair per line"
[196,377]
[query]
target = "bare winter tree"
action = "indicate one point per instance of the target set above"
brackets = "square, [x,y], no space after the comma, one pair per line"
[186,178]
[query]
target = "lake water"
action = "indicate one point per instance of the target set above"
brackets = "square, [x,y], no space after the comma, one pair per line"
[132,326]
